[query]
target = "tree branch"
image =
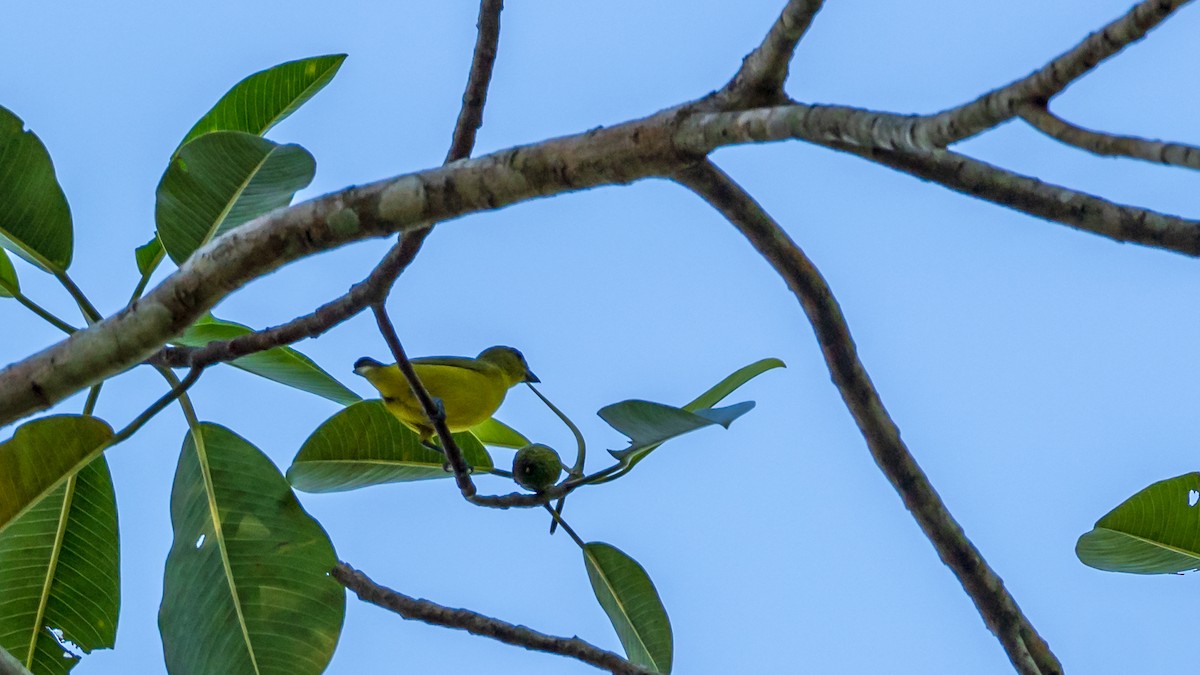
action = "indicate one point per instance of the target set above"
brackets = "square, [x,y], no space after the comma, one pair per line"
[999,105]
[1025,648]
[763,72]
[858,132]
[470,116]
[1110,145]
[479,624]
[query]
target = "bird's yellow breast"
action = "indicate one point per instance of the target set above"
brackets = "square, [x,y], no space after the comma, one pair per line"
[469,395]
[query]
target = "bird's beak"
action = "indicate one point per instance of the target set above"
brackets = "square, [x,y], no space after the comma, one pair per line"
[364,364]
[530,377]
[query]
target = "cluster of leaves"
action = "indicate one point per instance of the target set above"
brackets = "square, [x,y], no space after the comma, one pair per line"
[246,583]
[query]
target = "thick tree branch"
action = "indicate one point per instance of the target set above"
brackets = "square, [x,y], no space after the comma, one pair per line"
[479,624]
[1025,648]
[1003,104]
[763,72]
[1110,145]
[616,155]
[856,131]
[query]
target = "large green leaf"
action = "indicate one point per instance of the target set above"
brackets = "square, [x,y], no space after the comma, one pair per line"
[9,665]
[263,99]
[41,456]
[1156,531]
[221,180]
[246,588]
[60,572]
[35,221]
[8,277]
[253,106]
[366,445]
[632,605]
[497,433]
[281,364]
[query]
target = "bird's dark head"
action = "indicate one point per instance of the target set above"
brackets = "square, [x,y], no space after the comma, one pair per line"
[511,361]
[365,364]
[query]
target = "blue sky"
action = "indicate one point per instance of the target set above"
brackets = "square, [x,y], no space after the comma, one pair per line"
[1039,375]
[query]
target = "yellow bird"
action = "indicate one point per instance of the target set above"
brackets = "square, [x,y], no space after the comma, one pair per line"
[470,390]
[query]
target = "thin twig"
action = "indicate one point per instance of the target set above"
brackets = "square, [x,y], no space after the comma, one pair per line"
[9,665]
[437,418]
[1110,145]
[470,116]
[760,79]
[178,389]
[479,624]
[999,105]
[1028,652]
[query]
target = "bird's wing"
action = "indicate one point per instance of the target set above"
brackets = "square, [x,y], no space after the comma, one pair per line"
[455,362]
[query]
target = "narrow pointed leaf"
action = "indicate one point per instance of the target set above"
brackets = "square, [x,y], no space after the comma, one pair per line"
[281,364]
[8,277]
[1156,531]
[730,384]
[41,456]
[246,588]
[147,255]
[35,221]
[649,425]
[60,571]
[366,445]
[632,605]
[221,180]
[265,98]
[497,433]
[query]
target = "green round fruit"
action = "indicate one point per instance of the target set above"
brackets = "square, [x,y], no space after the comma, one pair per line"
[536,467]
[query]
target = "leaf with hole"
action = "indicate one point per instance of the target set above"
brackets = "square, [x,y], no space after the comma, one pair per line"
[1156,531]
[222,180]
[247,586]
[41,456]
[366,445]
[35,220]
[497,433]
[280,364]
[632,604]
[60,571]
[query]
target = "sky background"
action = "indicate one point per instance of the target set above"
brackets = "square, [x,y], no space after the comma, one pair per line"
[1039,375]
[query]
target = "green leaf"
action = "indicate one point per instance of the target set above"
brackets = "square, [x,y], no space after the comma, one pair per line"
[281,364]
[497,433]
[649,425]
[35,221]
[246,588]
[9,286]
[632,605]
[10,665]
[148,255]
[1156,531]
[41,456]
[221,180]
[631,456]
[366,445]
[60,571]
[265,98]
[730,384]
